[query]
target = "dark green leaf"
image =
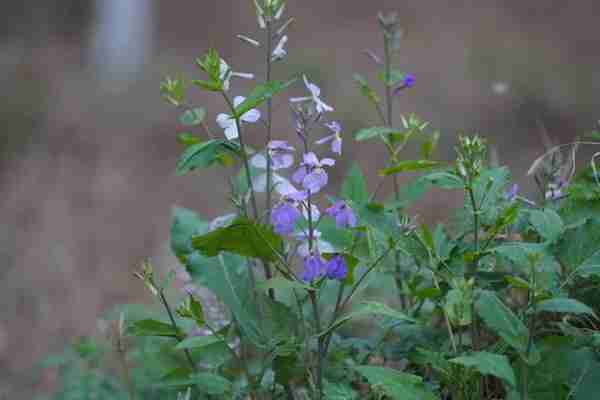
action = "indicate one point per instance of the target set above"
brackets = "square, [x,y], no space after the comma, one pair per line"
[186,223]
[396,384]
[243,237]
[565,305]
[547,223]
[195,342]
[151,327]
[202,155]
[489,364]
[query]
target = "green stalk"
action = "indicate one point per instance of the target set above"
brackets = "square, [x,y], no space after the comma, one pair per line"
[165,303]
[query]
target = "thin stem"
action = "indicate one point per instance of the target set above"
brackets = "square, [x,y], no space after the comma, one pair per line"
[244,156]
[163,299]
[320,352]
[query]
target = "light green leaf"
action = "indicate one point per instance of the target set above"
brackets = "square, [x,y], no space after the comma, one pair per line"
[193,116]
[366,89]
[243,237]
[519,252]
[188,139]
[368,308]
[489,364]
[262,93]
[370,133]
[444,180]
[151,327]
[396,384]
[195,342]
[396,77]
[505,324]
[282,283]
[547,223]
[354,187]
[409,166]
[566,306]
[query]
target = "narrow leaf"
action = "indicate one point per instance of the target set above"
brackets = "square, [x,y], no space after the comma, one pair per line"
[409,166]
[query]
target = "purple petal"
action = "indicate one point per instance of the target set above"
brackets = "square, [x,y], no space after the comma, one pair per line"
[282,160]
[313,267]
[284,217]
[300,174]
[337,268]
[310,159]
[334,126]
[326,139]
[280,145]
[315,181]
[336,145]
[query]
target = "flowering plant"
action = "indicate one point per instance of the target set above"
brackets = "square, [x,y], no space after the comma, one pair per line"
[482,310]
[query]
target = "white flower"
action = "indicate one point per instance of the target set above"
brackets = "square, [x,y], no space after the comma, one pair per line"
[315,93]
[227,122]
[279,52]
[225,74]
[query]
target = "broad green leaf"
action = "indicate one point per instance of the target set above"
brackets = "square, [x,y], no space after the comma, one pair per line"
[205,382]
[282,283]
[584,374]
[370,133]
[243,237]
[409,166]
[566,306]
[502,321]
[519,252]
[186,223]
[193,116]
[396,384]
[204,154]
[547,223]
[489,364]
[579,249]
[354,187]
[262,93]
[152,327]
[365,309]
[195,342]
[444,180]
[366,89]
[338,391]
[188,139]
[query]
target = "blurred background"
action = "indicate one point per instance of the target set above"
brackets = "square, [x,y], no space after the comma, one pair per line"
[88,149]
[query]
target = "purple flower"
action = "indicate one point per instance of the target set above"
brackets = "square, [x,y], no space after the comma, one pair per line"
[408,82]
[281,156]
[336,268]
[311,174]
[335,138]
[555,190]
[315,93]
[284,217]
[511,195]
[313,267]
[343,214]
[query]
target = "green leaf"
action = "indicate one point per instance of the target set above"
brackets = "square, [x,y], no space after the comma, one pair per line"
[368,308]
[262,93]
[429,145]
[519,253]
[193,116]
[243,237]
[282,283]
[186,223]
[188,139]
[566,306]
[579,249]
[195,342]
[396,77]
[547,223]
[339,391]
[500,319]
[204,154]
[195,308]
[370,133]
[152,327]
[366,89]
[409,166]
[396,384]
[444,180]
[489,364]
[354,187]
[205,382]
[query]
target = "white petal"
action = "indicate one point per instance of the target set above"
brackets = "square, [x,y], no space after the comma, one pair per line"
[315,214]
[231,132]
[259,183]
[238,100]
[225,121]
[312,88]
[259,161]
[300,99]
[303,250]
[282,185]
[325,247]
[251,115]
[243,75]
[330,162]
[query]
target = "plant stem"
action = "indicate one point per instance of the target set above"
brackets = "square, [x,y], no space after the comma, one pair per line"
[389,101]
[320,349]
[165,303]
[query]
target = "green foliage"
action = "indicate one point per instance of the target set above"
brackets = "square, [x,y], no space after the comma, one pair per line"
[397,385]
[261,94]
[489,364]
[205,154]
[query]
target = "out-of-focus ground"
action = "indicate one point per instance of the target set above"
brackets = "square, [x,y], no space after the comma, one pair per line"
[88,149]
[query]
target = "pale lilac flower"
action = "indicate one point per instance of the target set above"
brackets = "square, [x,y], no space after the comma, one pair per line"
[281,185]
[315,93]
[512,193]
[225,74]
[555,190]
[281,158]
[222,221]
[335,138]
[313,267]
[318,244]
[279,53]
[284,217]
[343,214]
[336,268]
[311,173]
[227,122]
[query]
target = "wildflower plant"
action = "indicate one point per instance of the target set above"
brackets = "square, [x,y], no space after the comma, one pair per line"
[486,308]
